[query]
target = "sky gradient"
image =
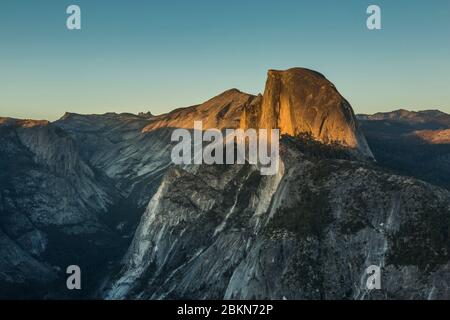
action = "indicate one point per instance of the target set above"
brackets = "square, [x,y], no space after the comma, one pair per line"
[136,55]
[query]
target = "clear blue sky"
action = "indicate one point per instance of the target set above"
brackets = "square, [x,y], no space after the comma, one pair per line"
[136,55]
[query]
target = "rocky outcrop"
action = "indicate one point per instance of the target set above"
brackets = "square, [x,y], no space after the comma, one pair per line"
[308,232]
[114,144]
[222,111]
[88,188]
[302,101]
[433,136]
[52,210]
[296,101]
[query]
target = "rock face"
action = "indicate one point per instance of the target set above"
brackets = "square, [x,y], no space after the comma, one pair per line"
[222,111]
[301,101]
[434,136]
[308,232]
[116,145]
[100,191]
[52,210]
[296,101]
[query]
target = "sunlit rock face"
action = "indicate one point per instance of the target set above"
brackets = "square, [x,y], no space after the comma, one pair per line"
[102,189]
[299,101]
[433,136]
[222,111]
[296,101]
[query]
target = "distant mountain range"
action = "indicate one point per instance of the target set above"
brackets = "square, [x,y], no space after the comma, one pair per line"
[100,191]
[412,143]
[428,119]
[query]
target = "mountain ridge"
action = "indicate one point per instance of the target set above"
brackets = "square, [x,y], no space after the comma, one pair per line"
[102,189]
[430,119]
[411,143]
